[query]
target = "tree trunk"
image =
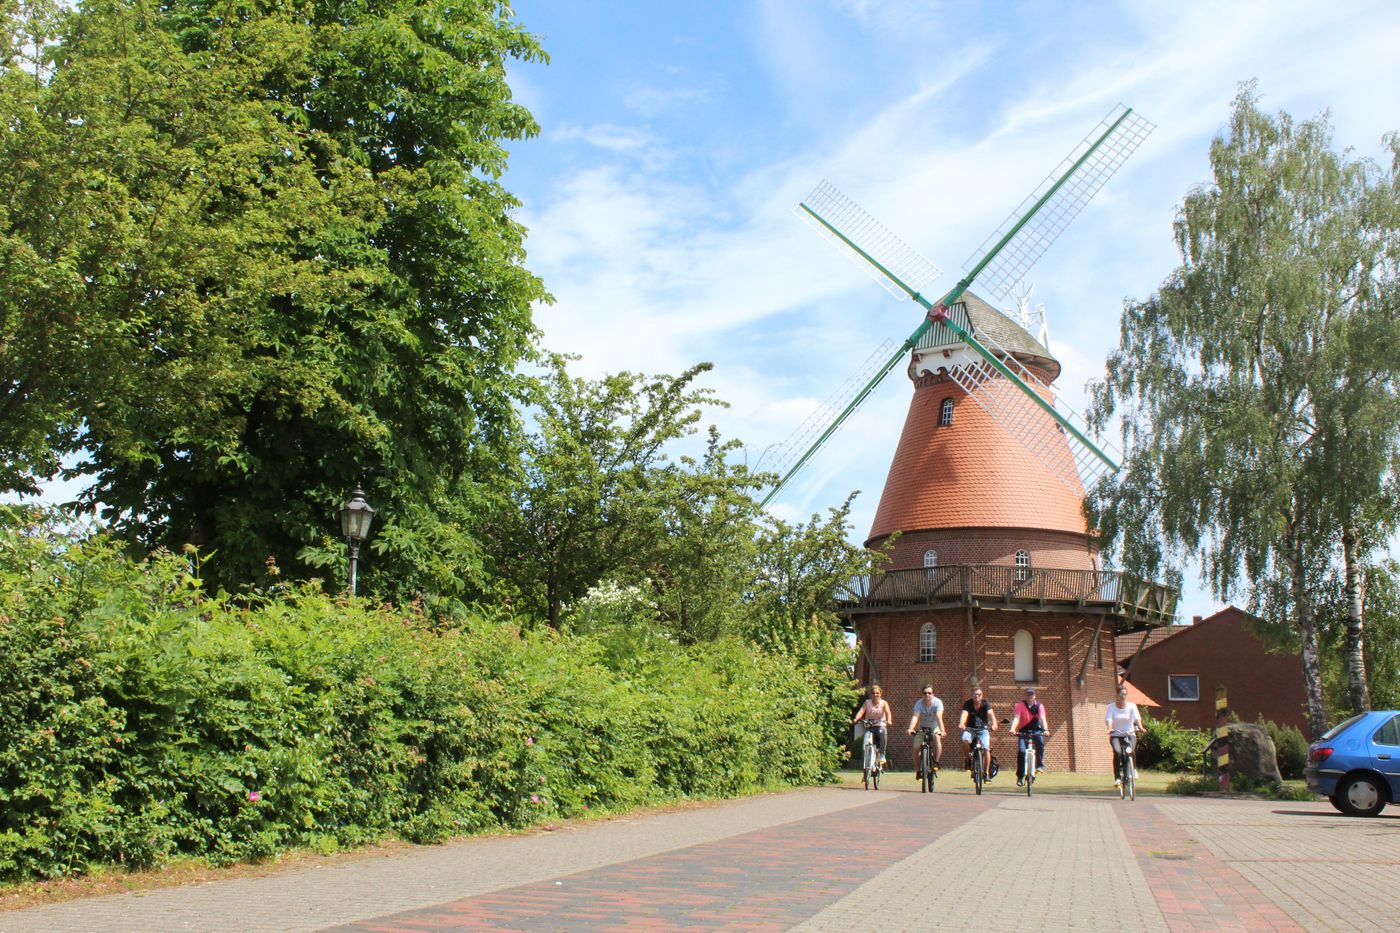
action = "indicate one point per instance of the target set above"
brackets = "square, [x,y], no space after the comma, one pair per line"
[1307,628]
[1357,693]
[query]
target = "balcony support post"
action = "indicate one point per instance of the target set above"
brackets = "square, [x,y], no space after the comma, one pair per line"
[1084,668]
[972,644]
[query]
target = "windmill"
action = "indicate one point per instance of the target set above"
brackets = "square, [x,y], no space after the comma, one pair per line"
[992,377]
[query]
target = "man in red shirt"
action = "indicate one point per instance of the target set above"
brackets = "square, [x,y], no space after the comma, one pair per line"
[1030,715]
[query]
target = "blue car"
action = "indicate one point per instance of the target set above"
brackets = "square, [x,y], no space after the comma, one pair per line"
[1356,764]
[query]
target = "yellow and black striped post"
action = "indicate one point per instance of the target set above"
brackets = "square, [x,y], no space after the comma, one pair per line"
[1222,738]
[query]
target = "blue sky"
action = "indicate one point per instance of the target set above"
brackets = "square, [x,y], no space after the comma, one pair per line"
[677,137]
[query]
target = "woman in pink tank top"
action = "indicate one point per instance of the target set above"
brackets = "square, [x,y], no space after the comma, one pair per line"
[877,711]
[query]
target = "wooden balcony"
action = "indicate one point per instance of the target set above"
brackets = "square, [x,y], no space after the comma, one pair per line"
[1131,601]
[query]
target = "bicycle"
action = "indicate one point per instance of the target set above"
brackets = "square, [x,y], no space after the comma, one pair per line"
[979,777]
[1027,738]
[1126,761]
[870,755]
[926,759]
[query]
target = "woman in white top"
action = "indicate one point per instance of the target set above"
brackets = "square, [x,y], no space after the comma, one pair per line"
[1123,721]
[878,712]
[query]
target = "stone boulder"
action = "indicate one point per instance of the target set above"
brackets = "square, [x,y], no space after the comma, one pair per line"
[1253,757]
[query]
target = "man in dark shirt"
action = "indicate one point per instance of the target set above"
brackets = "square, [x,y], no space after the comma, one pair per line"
[978,718]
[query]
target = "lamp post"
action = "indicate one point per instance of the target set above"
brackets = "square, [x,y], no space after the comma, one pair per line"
[355,517]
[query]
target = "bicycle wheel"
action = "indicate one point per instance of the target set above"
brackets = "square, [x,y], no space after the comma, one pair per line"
[875,777]
[928,770]
[1131,782]
[977,770]
[1030,767]
[923,768]
[1124,777]
[867,759]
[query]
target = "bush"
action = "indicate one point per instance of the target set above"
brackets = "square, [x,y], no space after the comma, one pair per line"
[1193,785]
[142,719]
[1169,746]
[1189,785]
[1291,748]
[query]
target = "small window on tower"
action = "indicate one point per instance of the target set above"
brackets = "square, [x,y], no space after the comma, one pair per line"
[930,562]
[928,643]
[1023,565]
[945,413]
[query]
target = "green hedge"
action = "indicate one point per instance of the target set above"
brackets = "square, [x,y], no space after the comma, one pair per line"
[1169,746]
[142,719]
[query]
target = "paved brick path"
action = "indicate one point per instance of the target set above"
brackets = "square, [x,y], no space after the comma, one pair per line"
[825,860]
[1194,889]
[769,879]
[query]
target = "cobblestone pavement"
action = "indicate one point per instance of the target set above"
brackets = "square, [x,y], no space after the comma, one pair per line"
[831,859]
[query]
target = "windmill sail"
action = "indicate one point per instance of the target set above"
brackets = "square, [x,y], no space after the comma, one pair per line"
[780,458]
[1048,210]
[1022,239]
[898,268]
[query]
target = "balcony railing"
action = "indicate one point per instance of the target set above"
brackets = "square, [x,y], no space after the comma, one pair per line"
[1133,600]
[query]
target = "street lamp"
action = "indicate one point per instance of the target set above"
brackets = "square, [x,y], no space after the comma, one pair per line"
[355,517]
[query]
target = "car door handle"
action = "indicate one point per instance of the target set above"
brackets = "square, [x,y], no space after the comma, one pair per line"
[1383,757]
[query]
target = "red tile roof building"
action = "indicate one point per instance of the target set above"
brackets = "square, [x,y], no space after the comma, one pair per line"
[992,575]
[1182,670]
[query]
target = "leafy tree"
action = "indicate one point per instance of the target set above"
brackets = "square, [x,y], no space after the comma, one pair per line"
[596,483]
[1380,589]
[1355,463]
[252,254]
[799,573]
[1230,378]
[700,569]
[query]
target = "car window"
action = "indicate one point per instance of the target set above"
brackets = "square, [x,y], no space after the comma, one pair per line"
[1340,727]
[1388,734]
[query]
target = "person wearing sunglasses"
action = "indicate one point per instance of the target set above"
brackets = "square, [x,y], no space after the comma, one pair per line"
[928,714]
[978,719]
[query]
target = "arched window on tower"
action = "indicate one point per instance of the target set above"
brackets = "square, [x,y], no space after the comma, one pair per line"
[945,413]
[1023,646]
[930,562]
[1023,565]
[928,643]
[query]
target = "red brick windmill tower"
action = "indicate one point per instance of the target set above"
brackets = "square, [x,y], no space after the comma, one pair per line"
[992,579]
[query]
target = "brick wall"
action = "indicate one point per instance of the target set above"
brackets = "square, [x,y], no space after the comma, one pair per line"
[1222,650]
[1060,644]
[1058,549]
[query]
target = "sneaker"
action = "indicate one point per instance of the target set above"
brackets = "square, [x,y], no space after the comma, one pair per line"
[1117,782]
[1020,781]
[1039,769]
[936,769]
[1135,777]
[918,774]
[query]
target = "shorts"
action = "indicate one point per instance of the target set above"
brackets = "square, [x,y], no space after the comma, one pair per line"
[984,734]
[919,739]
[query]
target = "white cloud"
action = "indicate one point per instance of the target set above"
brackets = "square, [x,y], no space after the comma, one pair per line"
[608,136]
[657,265]
[651,101]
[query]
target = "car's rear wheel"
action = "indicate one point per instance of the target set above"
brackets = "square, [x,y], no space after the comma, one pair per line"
[1360,795]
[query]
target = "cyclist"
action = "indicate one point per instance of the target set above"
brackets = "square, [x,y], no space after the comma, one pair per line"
[1122,720]
[928,714]
[877,711]
[978,717]
[1029,714]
